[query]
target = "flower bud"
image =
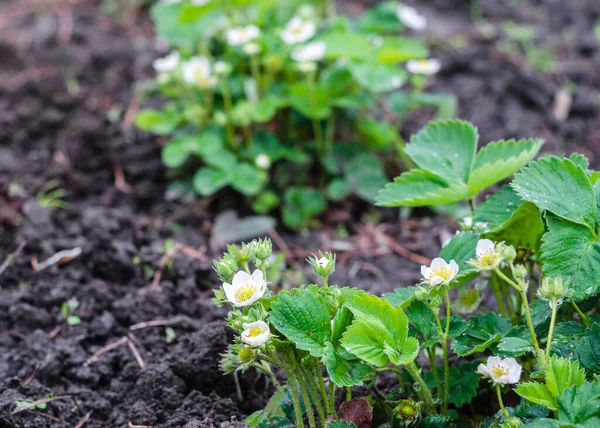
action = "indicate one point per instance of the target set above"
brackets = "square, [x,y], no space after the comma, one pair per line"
[554,288]
[226,267]
[243,255]
[220,118]
[506,252]
[421,293]
[264,248]
[406,413]
[520,273]
[323,265]
[222,68]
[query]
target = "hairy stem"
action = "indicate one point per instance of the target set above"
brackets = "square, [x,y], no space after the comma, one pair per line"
[504,412]
[445,340]
[431,355]
[414,371]
[551,330]
[586,321]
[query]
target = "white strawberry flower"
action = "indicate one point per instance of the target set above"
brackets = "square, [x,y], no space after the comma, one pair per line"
[251,49]
[488,257]
[197,71]
[245,289]
[256,333]
[242,35]
[167,64]
[314,51]
[410,17]
[262,161]
[426,67]
[307,67]
[440,272]
[502,371]
[298,30]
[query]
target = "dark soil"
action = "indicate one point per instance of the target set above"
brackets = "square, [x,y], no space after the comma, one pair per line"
[67,97]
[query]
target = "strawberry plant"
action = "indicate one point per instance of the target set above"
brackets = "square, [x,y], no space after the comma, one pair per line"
[282,101]
[534,335]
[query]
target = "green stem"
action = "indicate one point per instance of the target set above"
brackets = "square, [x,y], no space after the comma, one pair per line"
[332,395]
[255,69]
[414,371]
[445,349]
[295,399]
[551,330]
[306,397]
[431,355]
[313,390]
[322,389]
[504,412]
[318,137]
[538,352]
[348,393]
[228,104]
[264,366]
[586,321]
[499,301]
[325,283]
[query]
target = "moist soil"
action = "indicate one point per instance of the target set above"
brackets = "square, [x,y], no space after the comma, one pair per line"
[67,99]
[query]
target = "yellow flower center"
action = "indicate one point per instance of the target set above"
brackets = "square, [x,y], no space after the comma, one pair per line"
[423,63]
[245,292]
[498,371]
[488,259]
[254,331]
[297,30]
[469,298]
[443,272]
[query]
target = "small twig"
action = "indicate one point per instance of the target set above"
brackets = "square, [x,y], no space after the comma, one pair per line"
[55,332]
[14,333]
[105,349]
[38,402]
[196,254]
[84,420]
[169,254]
[138,426]
[59,258]
[131,113]
[120,182]
[162,323]
[400,250]
[32,376]
[54,418]
[12,256]
[136,354]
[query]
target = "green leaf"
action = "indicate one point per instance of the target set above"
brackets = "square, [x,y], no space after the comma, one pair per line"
[588,350]
[379,332]
[208,181]
[572,251]
[559,186]
[380,18]
[159,122]
[248,179]
[510,219]
[514,346]
[422,323]
[173,154]
[562,373]
[399,49]
[377,135]
[417,188]
[367,338]
[445,148]
[312,103]
[463,383]
[499,160]
[73,320]
[344,372]
[401,296]
[537,393]
[581,404]
[301,204]
[349,45]
[340,424]
[483,331]
[364,174]
[266,108]
[376,77]
[303,318]
[338,189]
[222,159]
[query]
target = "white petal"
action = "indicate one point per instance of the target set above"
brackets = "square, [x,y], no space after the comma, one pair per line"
[257,275]
[425,271]
[454,266]
[493,361]
[484,370]
[484,246]
[241,278]
[438,263]
[436,280]
[229,290]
